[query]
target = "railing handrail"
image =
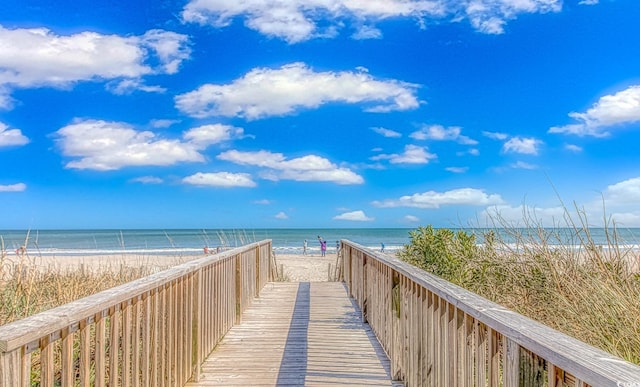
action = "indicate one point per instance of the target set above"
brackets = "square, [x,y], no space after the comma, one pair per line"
[29,329]
[582,360]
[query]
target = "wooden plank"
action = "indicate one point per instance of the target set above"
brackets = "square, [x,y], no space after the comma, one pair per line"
[11,368]
[511,364]
[126,345]
[30,329]
[46,362]
[481,354]
[298,334]
[587,363]
[198,300]
[163,312]
[151,331]
[101,345]
[66,358]
[469,350]
[114,346]
[494,358]
[85,354]
[138,351]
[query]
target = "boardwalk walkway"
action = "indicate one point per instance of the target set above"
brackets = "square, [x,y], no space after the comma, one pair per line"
[299,334]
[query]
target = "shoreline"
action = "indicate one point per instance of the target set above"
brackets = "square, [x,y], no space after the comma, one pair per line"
[296,267]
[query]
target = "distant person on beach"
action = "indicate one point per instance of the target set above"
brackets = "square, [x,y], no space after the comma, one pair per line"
[304,247]
[323,245]
[21,251]
[382,247]
[206,250]
[337,246]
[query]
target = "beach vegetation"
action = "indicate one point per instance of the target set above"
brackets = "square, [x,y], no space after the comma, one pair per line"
[27,288]
[559,276]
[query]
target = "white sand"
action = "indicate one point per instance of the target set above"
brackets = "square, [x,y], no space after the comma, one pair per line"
[297,267]
[302,268]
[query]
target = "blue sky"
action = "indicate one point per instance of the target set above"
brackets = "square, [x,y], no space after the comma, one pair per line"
[317,113]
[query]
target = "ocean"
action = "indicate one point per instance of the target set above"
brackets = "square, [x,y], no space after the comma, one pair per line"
[285,241]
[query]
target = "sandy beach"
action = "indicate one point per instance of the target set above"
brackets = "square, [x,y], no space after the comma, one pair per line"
[301,268]
[296,267]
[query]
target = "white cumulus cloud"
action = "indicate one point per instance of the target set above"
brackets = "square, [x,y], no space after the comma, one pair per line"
[220,179]
[356,216]
[411,219]
[298,20]
[11,137]
[206,135]
[527,146]
[265,92]
[624,192]
[36,57]
[440,133]
[611,110]
[523,165]
[573,148]
[305,168]
[618,203]
[412,154]
[433,199]
[103,145]
[386,132]
[18,187]
[281,215]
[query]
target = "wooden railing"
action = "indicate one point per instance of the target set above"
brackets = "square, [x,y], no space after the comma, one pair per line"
[438,334]
[155,331]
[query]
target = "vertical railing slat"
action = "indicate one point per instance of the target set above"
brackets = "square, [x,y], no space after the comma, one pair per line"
[85,354]
[114,345]
[126,345]
[100,351]
[46,361]
[511,363]
[66,358]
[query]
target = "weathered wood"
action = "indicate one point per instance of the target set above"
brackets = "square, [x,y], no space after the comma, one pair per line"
[66,358]
[126,345]
[84,349]
[143,331]
[114,345]
[512,364]
[11,369]
[297,334]
[46,361]
[27,330]
[575,360]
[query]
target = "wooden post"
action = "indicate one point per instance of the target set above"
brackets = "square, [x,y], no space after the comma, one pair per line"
[114,345]
[11,369]
[238,283]
[67,358]
[511,364]
[364,289]
[197,326]
[258,279]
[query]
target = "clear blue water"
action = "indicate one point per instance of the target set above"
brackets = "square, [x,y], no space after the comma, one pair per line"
[192,241]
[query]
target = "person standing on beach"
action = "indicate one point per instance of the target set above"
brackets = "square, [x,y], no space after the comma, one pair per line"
[382,247]
[304,247]
[323,245]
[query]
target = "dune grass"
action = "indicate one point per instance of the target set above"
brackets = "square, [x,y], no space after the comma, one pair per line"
[558,276]
[26,288]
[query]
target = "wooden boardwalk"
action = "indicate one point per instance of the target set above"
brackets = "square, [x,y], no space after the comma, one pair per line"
[299,334]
